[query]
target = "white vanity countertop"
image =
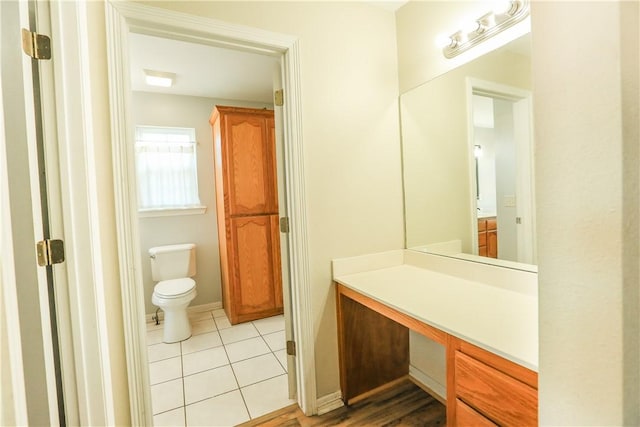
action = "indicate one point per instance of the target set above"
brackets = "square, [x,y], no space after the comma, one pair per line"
[495,317]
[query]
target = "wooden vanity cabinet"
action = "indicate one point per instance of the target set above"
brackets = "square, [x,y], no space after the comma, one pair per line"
[247,212]
[488,237]
[483,389]
[488,389]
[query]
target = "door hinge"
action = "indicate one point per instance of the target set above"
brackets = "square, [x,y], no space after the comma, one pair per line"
[279,97]
[291,348]
[50,252]
[37,46]
[284,224]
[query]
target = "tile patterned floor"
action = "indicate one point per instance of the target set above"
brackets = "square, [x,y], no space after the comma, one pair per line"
[223,375]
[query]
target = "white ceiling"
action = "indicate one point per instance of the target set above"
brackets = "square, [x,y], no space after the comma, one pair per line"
[202,70]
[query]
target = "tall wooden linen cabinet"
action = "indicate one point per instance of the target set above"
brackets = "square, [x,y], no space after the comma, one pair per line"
[247,211]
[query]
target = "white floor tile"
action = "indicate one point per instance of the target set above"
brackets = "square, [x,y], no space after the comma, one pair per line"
[162,351]
[170,418]
[165,370]
[267,396]
[269,324]
[222,323]
[203,326]
[204,360]
[201,342]
[239,332]
[281,355]
[154,336]
[225,410]
[257,369]
[276,341]
[166,396]
[219,312]
[209,384]
[246,349]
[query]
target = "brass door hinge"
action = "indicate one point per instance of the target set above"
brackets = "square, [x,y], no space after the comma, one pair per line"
[37,46]
[291,348]
[278,97]
[50,252]
[284,224]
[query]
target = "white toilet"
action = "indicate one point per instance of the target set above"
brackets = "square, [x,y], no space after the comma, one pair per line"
[172,267]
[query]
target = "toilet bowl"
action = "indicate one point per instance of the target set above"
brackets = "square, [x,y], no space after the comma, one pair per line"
[173,297]
[173,266]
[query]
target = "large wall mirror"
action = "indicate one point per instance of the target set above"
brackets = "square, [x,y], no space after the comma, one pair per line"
[467,142]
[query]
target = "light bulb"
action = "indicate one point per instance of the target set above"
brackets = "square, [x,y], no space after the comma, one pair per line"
[501,7]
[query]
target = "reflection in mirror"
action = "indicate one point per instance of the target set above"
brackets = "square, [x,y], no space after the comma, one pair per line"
[468,160]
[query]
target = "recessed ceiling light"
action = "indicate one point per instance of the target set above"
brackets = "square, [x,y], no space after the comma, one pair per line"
[159,78]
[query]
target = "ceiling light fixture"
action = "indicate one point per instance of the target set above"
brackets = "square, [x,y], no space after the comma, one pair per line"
[506,15]
[159,78]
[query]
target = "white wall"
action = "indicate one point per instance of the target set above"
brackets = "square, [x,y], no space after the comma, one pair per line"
[154,109]
[586,137]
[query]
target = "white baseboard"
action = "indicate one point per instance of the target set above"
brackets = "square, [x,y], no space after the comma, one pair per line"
[428,383]
[192,309]
[329,402]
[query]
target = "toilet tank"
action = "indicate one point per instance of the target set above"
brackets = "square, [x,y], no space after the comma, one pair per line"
[173,261]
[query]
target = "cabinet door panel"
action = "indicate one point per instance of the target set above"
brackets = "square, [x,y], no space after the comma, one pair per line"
[250,165]
[492,244]
[257,281]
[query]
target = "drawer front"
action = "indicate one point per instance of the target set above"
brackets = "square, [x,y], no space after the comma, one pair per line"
[499,397]
[492,224]
[466,416]
[482,225]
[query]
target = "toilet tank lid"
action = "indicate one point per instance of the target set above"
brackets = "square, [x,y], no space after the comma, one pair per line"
[171,248]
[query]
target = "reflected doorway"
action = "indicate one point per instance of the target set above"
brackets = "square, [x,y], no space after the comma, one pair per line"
[500,145]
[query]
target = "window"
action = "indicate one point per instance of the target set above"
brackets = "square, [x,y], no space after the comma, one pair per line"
[166,168]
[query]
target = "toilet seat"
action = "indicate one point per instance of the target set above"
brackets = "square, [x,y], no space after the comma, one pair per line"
[174,288]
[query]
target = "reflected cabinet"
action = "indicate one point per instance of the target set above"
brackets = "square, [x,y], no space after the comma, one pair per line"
[247,212]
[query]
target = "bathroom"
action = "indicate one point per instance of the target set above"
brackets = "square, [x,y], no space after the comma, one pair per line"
[351,143]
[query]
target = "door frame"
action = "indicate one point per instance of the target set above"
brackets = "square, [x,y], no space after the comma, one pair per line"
[524,187]
[122,18]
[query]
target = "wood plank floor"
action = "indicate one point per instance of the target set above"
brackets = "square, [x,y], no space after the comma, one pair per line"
[403,405]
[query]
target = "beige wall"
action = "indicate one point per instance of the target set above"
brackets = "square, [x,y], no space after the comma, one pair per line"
[586,126]
[154,109]
[351,136]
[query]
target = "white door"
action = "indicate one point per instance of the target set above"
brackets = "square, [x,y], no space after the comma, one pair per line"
[31,393]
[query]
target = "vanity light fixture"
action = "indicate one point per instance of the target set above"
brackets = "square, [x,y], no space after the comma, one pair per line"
[159,78]
[488,25]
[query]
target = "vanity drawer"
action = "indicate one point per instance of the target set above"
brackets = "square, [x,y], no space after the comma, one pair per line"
[492,224]
[482,225]
[466,416]
[498,396]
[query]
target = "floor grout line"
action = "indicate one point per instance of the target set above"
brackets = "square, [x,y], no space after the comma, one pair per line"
[230,364]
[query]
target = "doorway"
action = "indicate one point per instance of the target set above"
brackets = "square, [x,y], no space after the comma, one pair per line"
[501,157]
[124,18]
